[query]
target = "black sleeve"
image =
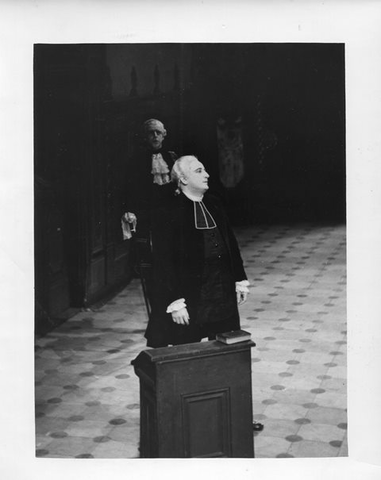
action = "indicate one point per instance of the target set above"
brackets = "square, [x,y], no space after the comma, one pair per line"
[238,269]
[167,283]
[237,262]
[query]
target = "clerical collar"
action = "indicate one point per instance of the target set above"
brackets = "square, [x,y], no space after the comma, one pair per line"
[203,219]
[194,197]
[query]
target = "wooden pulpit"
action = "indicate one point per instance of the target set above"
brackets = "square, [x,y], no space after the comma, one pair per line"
[196,401]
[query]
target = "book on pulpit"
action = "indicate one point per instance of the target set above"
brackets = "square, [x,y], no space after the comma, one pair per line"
[233,337]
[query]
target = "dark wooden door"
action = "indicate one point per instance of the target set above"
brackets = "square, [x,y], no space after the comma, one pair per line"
[80,256]
[58,156]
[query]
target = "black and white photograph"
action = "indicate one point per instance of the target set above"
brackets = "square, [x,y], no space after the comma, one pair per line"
[266,125]
[191,206]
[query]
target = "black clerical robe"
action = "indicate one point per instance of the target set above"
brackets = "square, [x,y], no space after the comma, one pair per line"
[182,269]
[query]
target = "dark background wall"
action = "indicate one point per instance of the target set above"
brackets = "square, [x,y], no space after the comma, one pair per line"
[283,104]
[291,99]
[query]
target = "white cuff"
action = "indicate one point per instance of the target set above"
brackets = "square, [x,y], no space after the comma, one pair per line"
[126,230]
[242,286]
[129,222]
[176,305]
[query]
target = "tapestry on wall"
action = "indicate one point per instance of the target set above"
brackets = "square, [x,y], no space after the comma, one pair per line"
[230,151]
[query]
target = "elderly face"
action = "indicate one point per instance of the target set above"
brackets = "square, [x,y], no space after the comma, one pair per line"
[196,177]
[155,137]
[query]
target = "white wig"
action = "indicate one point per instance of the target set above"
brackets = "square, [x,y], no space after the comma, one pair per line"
[180,169]
[153,122]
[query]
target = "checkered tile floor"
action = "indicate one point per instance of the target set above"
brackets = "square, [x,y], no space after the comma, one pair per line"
[87,395]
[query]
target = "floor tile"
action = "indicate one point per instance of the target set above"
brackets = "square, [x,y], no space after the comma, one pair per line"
[269,447]
[321,432]
[311,449]
[329,416]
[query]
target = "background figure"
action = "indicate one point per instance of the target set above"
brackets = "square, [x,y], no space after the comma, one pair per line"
[148,183]
[198,272]
[148,188]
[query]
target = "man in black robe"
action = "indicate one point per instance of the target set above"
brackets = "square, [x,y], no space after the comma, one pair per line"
[199,278]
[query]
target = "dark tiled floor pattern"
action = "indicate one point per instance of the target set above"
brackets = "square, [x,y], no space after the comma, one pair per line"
[87,395]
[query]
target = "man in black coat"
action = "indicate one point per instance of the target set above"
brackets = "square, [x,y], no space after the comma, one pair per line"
[148,184]
[147,189]
[199,278]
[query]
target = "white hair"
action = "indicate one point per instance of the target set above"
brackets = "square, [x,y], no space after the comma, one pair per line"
[180,169]
[153,122]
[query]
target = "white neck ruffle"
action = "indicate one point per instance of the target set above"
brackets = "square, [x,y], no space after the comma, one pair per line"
[160,170]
